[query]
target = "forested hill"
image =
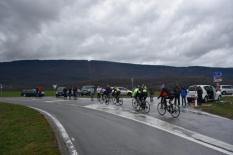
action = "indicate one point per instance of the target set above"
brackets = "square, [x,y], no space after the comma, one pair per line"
[30,73]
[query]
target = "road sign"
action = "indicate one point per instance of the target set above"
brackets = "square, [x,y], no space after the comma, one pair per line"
[54,86]
[217,76]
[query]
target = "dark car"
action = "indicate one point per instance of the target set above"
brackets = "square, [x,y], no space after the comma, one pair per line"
[32,93]
[87,90]
[59,91]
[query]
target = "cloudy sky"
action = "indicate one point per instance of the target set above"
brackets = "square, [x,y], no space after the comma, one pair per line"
[177,32]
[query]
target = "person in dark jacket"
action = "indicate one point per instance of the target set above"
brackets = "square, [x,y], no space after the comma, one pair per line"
[183,94]
[177,95]
[69,93]
[199,95]
[75,92]
[65,93]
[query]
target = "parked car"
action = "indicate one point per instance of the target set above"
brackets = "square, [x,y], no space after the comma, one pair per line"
[31,93]
[125,91]
[209,93]
[87,90]
[226,89]
[59,91]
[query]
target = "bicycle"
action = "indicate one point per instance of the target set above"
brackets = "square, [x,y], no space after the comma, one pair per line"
[120,100]
[174,110]
[106,99]
[141,105]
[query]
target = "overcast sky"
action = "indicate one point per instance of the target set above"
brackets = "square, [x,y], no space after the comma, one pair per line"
[160,32]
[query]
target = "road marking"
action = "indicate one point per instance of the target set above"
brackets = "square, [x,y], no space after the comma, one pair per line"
[168,127]
[64,134]
[51,101]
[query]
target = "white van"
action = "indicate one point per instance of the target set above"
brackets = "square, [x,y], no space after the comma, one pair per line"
[209,93]
[226,89]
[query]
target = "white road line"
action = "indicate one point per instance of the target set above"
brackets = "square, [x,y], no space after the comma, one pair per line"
[64,134]
[168,127]
[51,101]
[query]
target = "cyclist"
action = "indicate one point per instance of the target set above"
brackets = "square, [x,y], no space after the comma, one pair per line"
[163,95]
[136,93]
[116,93]
[139,95]
[98,91]
[143,95]
[144,92]
[107,91]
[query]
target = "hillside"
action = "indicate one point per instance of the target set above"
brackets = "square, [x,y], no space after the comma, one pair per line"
[30,73]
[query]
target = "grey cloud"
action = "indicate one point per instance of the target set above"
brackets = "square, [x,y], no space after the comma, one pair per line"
[180,33]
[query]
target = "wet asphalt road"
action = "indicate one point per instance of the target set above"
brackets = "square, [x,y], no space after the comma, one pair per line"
[101,133]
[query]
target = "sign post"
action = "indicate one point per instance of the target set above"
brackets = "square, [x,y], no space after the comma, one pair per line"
[1,87]
[55,87]
[217,79]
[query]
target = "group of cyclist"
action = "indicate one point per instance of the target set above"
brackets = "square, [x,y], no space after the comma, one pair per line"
[140,93]
[108,92]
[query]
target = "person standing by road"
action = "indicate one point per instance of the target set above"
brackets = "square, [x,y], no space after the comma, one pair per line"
[183,94]
[151,94]
[69,93]
[65,93]
[75,90]
[177,95]
[199,95]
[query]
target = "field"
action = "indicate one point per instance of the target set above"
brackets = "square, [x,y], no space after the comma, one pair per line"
[16,93]
[25,131]
[223,108]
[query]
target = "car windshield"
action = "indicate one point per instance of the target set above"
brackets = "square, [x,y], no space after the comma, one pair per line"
[192,88]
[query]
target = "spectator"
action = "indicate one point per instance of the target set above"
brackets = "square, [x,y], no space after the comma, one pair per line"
[199,95]
[183,94]
[75,90]
[65,93]
[177,94]
[69,93]
[151,94]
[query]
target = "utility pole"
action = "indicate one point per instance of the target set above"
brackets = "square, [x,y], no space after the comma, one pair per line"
[132,80]
[1,87]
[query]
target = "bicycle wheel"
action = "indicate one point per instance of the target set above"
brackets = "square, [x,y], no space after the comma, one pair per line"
[114,100]
[146,108]
[120,101]
[107,100]
[175,111]
[134,104]
[161,109]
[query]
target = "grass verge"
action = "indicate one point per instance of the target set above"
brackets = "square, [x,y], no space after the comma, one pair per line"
[16,93]
[25,131]
[222,108]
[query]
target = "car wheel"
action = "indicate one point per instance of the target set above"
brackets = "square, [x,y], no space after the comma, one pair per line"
[129,94]
[224,93]
[205,99]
